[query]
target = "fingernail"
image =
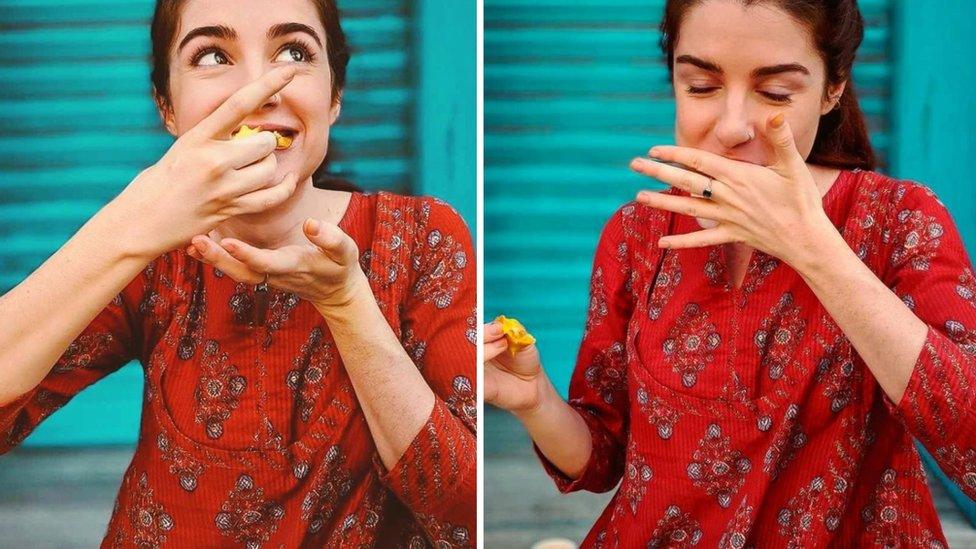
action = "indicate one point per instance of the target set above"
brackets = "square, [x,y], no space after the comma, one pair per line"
[228,245]
[643,195]
[312,226]
[777,121]
[654,152]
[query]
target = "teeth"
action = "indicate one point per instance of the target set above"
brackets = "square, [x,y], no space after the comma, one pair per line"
[283,141]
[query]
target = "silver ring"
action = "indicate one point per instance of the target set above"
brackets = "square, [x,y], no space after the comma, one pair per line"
[263,285]
[707,192]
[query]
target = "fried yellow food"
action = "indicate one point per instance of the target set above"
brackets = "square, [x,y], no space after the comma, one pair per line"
[283,142]
[518,337]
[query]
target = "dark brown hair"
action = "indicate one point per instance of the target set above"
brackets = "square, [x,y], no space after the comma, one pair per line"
[166,19]
[837,29]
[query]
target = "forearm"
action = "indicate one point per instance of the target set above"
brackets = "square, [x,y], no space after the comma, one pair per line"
[395,398]
[559,431]
[43,314]
[882,329]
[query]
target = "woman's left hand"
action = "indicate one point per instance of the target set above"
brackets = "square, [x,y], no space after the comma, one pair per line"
[776,209]
[325,271]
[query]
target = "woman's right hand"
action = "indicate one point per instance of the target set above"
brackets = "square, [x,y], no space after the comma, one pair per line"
[205,177]
[512,383]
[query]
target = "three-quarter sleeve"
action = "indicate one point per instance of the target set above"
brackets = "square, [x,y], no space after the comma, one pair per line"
[436,478]
[598,388]
[104,346]
[929,269]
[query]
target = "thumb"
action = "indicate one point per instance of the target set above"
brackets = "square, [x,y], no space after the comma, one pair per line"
[780,136]
[332,240]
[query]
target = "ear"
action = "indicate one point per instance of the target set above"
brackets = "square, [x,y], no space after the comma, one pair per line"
[165,111]
[336,109]
[832,97]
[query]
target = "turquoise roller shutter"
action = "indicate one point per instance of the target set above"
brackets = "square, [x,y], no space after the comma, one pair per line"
[79,124]
[574,90]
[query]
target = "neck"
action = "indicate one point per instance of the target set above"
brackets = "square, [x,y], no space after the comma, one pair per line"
[282,225]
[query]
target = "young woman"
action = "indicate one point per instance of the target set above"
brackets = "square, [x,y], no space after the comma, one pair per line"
[766,337]
[308,353]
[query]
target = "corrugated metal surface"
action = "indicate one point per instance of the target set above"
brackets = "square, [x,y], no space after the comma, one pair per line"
[574,90]
[79,123]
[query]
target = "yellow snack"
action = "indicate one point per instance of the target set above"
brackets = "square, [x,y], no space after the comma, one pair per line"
[283,142]
[518,337]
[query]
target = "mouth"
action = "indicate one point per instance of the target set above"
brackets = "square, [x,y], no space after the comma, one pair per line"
[284,135]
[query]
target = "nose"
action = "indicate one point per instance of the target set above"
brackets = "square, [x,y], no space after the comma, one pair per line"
[272,101]
[735,126]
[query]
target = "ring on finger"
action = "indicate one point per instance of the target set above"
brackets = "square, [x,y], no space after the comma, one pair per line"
[263,285]
[707,191]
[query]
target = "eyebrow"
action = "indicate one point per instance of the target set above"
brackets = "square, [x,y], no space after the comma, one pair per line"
[227,33]
[756,73]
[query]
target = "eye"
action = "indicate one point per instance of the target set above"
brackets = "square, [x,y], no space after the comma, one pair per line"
[295,52]
[209,56]
[777,97]
[700,90]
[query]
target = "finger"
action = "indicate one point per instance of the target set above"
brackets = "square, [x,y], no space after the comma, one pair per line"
[495,348]
[683,179]
[692,207]
[249,150]
[260,260]
[493,332]
[257,176]
[266,199]
[780,138]
[229,115]
[336,244]
[208,251]
[697,160]
[697,239]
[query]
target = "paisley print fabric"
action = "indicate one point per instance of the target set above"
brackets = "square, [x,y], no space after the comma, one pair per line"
[742,416]
[251,433]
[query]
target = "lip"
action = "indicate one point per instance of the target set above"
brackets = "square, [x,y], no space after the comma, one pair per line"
[270,127]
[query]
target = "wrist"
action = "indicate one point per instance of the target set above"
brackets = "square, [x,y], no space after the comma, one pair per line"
[548,396]
[120,233]
[822,252]
[346,303]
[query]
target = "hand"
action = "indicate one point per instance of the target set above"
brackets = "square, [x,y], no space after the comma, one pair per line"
[512,383]
[324,271]
[776,209]
[205,178]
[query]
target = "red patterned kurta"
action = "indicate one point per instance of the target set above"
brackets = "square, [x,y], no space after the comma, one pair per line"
[743,417]
[252,435]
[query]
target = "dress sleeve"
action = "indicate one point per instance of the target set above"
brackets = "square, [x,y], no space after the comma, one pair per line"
[598,388]
[437,475]
[929,269]
[104,346]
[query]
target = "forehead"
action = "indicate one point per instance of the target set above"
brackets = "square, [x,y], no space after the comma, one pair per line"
[247,16]
[734,36]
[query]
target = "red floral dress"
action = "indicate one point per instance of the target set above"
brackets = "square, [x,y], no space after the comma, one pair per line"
[743,417]
[251,433]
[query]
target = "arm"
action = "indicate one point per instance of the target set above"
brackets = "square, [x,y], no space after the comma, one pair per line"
[919,337]
[581,443]
[421,406]
[48,310]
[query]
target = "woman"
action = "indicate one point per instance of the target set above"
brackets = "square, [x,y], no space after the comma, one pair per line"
[758,383]
[309,355]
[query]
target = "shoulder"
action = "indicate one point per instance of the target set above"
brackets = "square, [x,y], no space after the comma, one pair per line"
[893,194]
[413,211]
[635,222]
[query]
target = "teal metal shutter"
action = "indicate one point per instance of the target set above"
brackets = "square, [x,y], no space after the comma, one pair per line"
[574,90]
[79,123]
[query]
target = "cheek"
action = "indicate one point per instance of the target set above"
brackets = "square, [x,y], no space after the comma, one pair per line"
[691,122]
[804,134]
